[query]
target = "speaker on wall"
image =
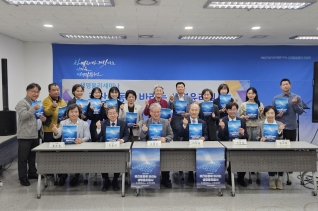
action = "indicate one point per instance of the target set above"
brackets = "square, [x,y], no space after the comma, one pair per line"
[315,94]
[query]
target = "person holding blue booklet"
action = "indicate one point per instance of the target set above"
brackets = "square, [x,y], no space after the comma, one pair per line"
[270,130]
[113,94]
[78,91]
[232,127]
[180,104]
[92,115]
[165,132]
[209,112]
[252,111]
[132,114]
[223,91]
[288,104]
[123,136]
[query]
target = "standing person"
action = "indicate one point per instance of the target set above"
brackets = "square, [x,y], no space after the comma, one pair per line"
[27,134]
[251,124]
[95,94]
[177,118]
[131,106]
[223,89]
[51,106]
[78,91]
[158,92]
[113,93]
[294,107]
[212,120]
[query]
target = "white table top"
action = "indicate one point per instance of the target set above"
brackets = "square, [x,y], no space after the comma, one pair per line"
[88,146]
[258,145]
[5,138]
[179,145]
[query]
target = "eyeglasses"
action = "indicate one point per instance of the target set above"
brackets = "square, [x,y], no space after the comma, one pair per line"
[34,92]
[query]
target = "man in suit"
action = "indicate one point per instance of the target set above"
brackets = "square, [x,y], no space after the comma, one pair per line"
[231,109]
[177,118]
[183,131]
[167,135]
[112,114]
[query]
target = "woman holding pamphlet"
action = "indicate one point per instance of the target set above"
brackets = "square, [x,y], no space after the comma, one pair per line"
[268,131]
[73,131]
[209,112]
[132,114]
[113,101]
[252,111]
[94,112]
[223,99]
[78,91]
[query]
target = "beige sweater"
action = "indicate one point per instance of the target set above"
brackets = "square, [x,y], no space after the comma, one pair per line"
[251,122]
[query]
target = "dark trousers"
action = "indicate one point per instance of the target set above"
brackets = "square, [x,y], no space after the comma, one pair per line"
[165,175]
[48,137]
[289,134]
[175,135]
[26,156]
[240,175]
[105,176]
[271,174]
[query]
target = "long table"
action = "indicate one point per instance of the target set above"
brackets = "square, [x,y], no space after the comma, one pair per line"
[178,156]
[268,157]
[81,158]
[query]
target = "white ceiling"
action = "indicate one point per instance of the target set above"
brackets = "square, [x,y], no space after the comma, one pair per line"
[166,22]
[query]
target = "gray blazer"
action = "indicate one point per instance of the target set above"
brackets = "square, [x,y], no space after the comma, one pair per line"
[166,130]
[138,110]
[82,129]
[260,130]
[177,119]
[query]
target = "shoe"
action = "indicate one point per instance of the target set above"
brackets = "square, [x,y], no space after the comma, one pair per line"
[279,183]
[115,185]
[74,181]
[85,181]
[34,176]
[24,182]
[106,185]
[62,179]
[242,182]
[272,183]
[166,183]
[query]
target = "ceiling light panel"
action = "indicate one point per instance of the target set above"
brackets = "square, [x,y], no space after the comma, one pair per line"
[93,36]
[101,3]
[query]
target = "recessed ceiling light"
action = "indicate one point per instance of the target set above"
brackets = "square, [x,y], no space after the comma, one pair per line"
[259,36]
[48,25]
[120,27]
[256,27]
[304,37]
[188,27]
[145,36]
[209,37]
[259,4]
[147,2]
[103,3]
[92,36]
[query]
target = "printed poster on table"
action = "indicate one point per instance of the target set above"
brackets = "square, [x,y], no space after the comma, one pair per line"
[210,168]
[69,134]
[145,168]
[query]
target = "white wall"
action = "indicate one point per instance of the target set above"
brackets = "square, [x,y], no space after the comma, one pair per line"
[13,50]
[38,65]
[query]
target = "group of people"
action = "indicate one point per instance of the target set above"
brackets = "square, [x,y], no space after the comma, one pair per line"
[214,126]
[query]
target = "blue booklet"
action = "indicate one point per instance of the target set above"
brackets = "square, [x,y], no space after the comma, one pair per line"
[165,113]
[195,131]
[62,113]
[96,104]
[271,132]
[112,133]
[131,119]
[233,129]
[224,99]
[155,132]
[181,106]
[281,105]
[40,112]
[207,108]
[69,134]
[252,110]
[111,102]
[83,104]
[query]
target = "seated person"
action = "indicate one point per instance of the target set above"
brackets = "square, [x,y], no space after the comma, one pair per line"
[232,109]
[183,130]
[73,112]
[270,113]
[112,114]
[167,135]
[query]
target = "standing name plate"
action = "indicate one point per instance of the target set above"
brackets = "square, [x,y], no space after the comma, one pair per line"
[196,142]
[282,142]
[112,144]
[240,141]
[153,143]
[57,145]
